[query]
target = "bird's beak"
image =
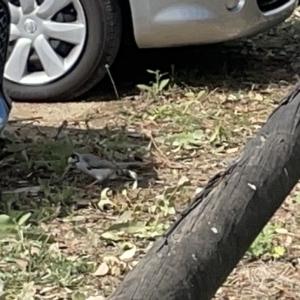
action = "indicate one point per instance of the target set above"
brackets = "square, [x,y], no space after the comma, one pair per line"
[70,160]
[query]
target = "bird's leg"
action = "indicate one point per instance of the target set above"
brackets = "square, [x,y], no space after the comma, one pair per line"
[99,180]
[89,186]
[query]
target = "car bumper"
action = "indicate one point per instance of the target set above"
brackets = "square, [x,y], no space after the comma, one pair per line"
[185,22]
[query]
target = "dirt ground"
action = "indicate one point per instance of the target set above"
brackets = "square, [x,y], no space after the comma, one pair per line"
[61,241]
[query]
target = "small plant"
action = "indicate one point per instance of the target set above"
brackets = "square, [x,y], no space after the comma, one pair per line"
[264,247]
[156,87]
[219,135]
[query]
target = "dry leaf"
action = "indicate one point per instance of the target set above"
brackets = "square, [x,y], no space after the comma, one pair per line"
[102,270]
[116,271]
[73,257]
[110,236]
[232,150]
[35,250]
[134,263]
[182,181]
[259,97]
[125,217]
[128,254]
[105,204]
[281,231]
[22,263]
[47,289]
[28,291]
[96,298]
[135,185]
[111,259]
[1,286]
[288,241]
[55,247]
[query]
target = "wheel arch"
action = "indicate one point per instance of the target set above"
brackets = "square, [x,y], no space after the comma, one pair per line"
[127,22]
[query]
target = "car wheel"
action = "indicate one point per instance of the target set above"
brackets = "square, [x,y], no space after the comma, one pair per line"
[58,49]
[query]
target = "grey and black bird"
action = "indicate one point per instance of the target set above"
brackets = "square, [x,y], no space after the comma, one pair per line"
[101,169]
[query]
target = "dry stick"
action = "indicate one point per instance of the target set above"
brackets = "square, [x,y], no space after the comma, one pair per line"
[24,119]
[62,177]
[62,127]
[149,135]
[194,257]
[112,81]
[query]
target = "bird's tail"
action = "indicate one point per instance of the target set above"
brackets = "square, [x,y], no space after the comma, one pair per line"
[125,165]
[127,173]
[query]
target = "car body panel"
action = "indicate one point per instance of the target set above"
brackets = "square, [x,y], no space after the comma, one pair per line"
[169,23]
[5,101]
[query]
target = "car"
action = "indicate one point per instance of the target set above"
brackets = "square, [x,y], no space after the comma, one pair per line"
[5,101]
[59,49]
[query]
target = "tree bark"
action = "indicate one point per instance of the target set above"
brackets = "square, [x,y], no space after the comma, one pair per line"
[193,258]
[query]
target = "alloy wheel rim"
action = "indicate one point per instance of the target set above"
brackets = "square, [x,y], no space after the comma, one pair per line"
[47,38]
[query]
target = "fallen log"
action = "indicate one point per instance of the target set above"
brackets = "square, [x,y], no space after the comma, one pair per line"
[195,255]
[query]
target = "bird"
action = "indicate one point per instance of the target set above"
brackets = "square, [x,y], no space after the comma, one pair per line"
[101,169]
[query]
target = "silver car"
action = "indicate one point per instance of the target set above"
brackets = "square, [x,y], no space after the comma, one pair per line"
[59,49]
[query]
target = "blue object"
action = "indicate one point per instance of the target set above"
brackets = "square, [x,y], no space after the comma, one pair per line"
[5,101]
[4,113]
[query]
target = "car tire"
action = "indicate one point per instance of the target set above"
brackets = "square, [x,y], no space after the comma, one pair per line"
[103,19]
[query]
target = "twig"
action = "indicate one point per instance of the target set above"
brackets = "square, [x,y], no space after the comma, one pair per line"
[112,81]
[61,178]
[60,129]
[137,135]
[25,119]
[148,134]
